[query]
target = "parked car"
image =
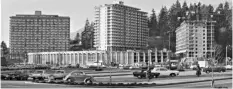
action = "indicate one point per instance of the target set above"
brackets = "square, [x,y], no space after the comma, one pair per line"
[55,67]
[58,74]
[165,72]
[79,77]
[40,74]
[194,67]
[20,74]
[228,67]
[143,73]
[128,67]
[96,68]
[215,69]
[4,76]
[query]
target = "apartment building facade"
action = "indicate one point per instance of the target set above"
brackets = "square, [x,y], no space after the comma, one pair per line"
[195,38]
[38,33]
[119,27]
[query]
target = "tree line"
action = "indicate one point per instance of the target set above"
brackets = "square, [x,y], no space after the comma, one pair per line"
[169,19]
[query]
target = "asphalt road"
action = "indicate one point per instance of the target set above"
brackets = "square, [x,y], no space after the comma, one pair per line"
[207,84]
[128,78]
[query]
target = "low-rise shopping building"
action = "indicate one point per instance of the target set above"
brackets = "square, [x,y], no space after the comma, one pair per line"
[129,57]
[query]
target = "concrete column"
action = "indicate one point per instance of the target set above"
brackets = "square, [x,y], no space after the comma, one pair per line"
[149,54]
[82,58]
[132,58]
[67,58]
[116,57]
[138,54]
[63,59]
[96,57]
[55,58]
[42,59]
[51,56]
[144,57]
[121,58]
[50,61]
[46,57]
[126,58]
[71,58]
[156,56]
[37,58]
[86,58]
[74,58]
[161,56]
[34,59]
[101,56]
[110,54]
[106,58]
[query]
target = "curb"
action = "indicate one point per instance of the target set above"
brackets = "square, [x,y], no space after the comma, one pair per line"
[193,81]
[109,75]
[106,72]
[125,85]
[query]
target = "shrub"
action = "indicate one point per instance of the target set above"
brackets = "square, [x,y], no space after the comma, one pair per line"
[100,84]
[120,84]
[139,84]
[145,84]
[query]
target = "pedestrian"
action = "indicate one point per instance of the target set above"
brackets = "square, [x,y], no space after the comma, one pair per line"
[198,73]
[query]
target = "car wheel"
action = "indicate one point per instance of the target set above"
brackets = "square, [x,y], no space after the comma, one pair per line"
[207,72]
[88,81]
[139,77]
[69,80]
[172,75]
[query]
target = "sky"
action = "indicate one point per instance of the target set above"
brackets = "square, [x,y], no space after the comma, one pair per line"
[77,10]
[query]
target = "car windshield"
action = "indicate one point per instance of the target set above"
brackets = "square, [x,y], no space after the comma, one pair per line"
[60,71]
[39,71]
[163,69]
[77,73]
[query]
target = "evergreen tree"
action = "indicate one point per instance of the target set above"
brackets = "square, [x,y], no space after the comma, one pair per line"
[153,24]
[4,49]
[184,9]
[163,25]
[88,35]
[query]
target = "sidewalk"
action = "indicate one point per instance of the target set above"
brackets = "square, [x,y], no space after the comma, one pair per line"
[186,80]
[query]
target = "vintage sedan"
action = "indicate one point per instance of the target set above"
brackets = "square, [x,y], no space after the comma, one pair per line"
[228,67]
[58,74]
[144,73]
[215,69]
[20,74]
[165,72]
[4,76]
[40,74]
[79,77]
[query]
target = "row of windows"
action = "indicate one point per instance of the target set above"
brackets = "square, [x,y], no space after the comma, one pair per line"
[56,20]
[37,23]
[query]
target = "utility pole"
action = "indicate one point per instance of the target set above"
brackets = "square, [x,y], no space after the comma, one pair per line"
[226,54]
